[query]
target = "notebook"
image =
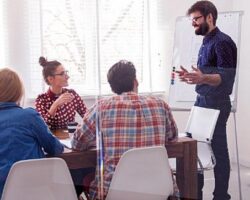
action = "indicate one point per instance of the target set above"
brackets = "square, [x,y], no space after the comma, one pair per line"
[66,143]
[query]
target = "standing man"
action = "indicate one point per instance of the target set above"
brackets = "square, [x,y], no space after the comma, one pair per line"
[127,120]
[214,79]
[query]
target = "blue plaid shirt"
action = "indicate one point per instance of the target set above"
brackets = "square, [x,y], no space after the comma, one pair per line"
[217,55]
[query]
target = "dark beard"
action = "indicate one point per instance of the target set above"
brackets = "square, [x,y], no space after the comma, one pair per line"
[203,29]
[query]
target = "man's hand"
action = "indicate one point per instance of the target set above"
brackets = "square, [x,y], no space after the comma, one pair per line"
[182,74]
[64,98]
[197,77]
[194,77]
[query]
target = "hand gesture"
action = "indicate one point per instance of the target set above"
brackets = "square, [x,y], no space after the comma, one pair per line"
[64,98]
[182,74]
[194,77]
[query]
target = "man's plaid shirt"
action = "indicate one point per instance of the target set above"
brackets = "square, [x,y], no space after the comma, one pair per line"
[126,121]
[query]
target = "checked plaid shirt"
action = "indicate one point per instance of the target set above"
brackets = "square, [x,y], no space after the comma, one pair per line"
[126,121]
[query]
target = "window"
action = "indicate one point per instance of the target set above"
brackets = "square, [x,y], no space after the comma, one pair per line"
[87,37]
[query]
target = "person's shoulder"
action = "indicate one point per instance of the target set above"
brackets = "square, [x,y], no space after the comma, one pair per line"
[42,96]
[224,38]
[107,100]
[224,42]
[155,100]
[27,114]
[72,91]
[30,111]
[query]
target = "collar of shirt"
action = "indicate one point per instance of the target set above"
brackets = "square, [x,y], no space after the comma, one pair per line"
[52,95]
[123,97]
[7,105]
[131,93]
[210,35]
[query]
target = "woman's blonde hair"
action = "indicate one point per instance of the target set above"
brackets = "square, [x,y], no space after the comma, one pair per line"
[11,86]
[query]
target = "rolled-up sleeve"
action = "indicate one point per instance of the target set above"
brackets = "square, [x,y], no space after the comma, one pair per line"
[85,136]
[40,105]
[227,78]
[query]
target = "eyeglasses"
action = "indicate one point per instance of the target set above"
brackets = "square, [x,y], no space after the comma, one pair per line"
[63,73]
[195,19]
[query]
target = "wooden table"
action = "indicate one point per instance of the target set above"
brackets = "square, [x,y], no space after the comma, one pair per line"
[184,150]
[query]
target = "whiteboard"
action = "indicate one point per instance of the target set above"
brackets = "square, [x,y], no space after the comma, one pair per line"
[186,47]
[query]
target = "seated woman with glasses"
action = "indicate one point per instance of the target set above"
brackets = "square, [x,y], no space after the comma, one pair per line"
[58,106]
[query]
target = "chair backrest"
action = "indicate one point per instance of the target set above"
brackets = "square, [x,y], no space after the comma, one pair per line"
[39,179]
[142,174]
[201,125]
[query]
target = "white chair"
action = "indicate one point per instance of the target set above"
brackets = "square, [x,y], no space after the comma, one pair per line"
[200,126]
[39,179]
[142,174]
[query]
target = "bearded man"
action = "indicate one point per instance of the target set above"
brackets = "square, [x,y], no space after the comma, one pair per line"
[214,79]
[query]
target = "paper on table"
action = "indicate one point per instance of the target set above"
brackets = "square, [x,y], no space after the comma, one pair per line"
[182,134]
[66,143]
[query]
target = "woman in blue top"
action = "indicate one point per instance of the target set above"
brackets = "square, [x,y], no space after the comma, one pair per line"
[24,134]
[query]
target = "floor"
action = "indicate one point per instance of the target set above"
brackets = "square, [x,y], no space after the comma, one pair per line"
[233,184]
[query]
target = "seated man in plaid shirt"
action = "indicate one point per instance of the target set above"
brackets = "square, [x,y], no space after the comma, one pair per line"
[125,120]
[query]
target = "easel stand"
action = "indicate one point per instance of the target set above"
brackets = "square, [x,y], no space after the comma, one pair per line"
[237,155]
